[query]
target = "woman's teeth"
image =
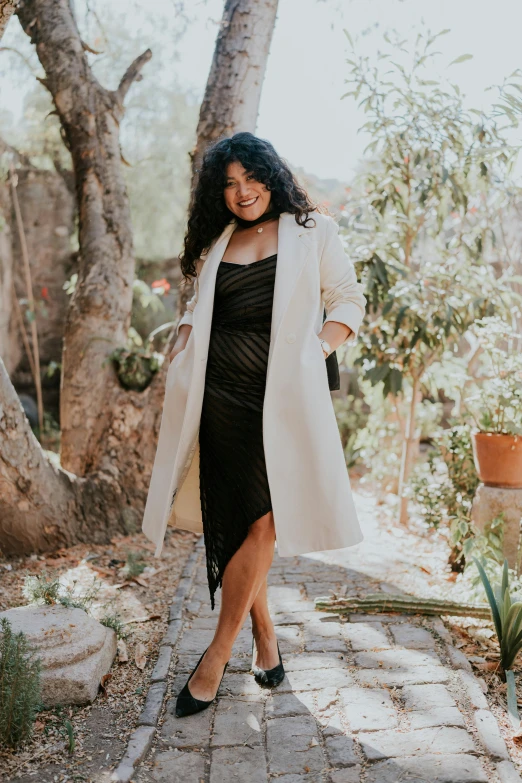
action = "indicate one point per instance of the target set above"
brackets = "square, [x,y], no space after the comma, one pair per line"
[248,203]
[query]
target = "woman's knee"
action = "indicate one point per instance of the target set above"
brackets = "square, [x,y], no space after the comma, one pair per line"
[263,529]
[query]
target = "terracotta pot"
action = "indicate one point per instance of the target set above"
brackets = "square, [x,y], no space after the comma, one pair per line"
[498,459]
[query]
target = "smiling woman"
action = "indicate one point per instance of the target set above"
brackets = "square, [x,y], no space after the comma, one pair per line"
[249,449]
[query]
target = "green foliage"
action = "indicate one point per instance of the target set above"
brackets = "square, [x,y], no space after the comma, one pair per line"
[114,621]
[423,217]
[136,366]
[507,617]
[496,402]
[48,590]
[134,565]
[19,686]
[445,486]
[42,590]
[352,414]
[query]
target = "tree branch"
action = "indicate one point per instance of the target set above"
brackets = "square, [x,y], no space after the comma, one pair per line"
[132,74]
[7,9]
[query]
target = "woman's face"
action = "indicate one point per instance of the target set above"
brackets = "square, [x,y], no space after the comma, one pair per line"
[244,195]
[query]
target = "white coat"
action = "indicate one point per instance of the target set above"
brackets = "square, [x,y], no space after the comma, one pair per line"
[309,485]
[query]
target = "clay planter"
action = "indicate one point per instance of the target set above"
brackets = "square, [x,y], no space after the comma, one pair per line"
[498,459]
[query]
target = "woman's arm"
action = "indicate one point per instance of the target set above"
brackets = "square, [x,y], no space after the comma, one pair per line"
[343,296]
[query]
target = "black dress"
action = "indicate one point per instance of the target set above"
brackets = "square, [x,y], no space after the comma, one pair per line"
[234,487]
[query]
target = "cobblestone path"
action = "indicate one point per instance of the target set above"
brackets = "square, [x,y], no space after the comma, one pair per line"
[376,699]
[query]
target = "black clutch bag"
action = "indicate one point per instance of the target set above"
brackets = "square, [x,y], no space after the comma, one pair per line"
[332,368]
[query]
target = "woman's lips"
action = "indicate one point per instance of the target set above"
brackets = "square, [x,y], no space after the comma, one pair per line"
[246,206]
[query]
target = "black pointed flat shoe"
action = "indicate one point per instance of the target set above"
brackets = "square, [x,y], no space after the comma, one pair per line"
[186,703]
[269,678]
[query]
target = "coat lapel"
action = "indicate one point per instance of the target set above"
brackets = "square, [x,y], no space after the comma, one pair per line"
[293,245]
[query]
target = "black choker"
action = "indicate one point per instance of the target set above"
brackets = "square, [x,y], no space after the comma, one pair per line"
[273,213]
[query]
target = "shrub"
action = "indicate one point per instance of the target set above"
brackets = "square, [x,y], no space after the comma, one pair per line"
[19,686]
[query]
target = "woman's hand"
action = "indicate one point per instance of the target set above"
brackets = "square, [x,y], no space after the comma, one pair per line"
[334,333]
[181,341]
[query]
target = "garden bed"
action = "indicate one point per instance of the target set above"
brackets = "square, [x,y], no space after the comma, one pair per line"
[84,743]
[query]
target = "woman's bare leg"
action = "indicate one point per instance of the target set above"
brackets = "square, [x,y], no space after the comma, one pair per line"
[243,576]
[266,655]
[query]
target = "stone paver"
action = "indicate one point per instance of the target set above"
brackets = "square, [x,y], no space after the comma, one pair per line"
[373,698]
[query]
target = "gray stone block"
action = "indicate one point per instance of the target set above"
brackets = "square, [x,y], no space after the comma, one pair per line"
[194,641]
[489,735]
[283,705]
[473,690]
[457,659]
[238,723]
[390,744]
[427,697]
[488,503]
[412,637]
[340,750]
[316,679]
[293,746]
[137,748]
[153,704]
[172,633]
[396,659]
[438,716]
[346,775]
[507,772]
[431,705]
[407,676]
[76,651]
[366,636]
[240,684]
[312,660]
[173,765]
[161,669]
[368,709]
[428,769]
[241,764]
[186,733]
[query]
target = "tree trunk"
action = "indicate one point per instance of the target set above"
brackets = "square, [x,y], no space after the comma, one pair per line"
[408,452]
[7,9]
[233,91]
[99,312]
[43,507]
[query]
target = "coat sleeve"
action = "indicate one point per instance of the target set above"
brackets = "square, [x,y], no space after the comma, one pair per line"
[187,315]
[341,293]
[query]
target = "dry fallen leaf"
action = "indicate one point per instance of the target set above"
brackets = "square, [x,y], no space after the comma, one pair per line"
[123,655]
[140,656]
[517,737]
[141,581]
[103,682]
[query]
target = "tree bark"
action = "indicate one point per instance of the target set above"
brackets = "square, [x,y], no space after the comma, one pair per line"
[409,446]
[43,507]
[7,9]
[233,91]
[99,314]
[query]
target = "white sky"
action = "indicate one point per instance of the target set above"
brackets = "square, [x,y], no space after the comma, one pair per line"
[301,112]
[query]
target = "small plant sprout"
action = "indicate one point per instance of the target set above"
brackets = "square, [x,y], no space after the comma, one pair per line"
[507,617]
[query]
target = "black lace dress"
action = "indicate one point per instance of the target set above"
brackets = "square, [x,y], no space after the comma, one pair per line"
[233,481]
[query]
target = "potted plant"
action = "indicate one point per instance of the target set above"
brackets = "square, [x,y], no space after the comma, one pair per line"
[496,406]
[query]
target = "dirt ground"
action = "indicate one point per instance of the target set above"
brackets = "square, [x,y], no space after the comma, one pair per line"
[413,560]
[100,730]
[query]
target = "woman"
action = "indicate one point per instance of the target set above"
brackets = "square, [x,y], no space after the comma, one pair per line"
[249,449]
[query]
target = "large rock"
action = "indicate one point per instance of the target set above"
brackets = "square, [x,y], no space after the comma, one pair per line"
[75,650]
[488,503]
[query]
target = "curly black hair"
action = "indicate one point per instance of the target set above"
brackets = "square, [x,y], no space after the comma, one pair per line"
[208,213]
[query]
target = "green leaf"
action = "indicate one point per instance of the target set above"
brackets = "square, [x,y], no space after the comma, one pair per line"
[512,699]
[461,59]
